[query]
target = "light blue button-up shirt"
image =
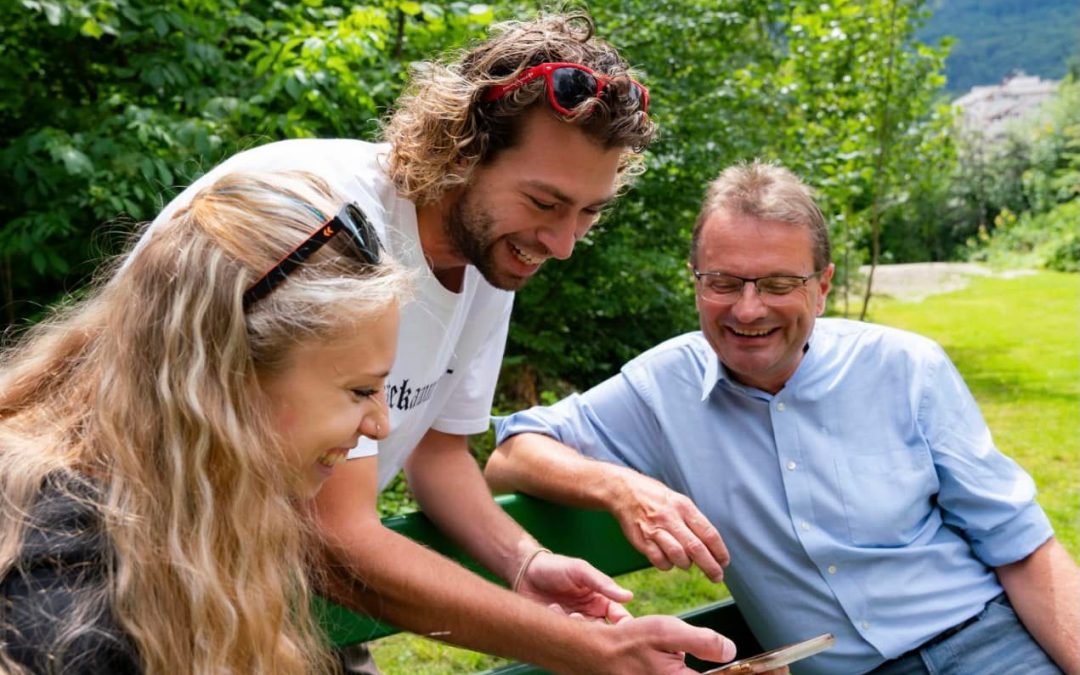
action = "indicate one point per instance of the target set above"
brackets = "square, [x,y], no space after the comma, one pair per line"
[865,499]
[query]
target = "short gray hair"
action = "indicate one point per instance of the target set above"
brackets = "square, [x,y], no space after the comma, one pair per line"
[764,191]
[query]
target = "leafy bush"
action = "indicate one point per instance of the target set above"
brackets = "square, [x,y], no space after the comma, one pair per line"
[1033,239]
[111,106]
[1044,154]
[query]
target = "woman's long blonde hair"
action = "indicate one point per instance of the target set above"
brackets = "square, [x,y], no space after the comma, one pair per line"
[147,391]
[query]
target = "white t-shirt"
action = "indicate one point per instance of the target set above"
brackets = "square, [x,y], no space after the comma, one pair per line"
[450,345]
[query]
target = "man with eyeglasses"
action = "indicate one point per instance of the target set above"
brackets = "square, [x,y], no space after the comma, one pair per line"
[846,464]
[494,163]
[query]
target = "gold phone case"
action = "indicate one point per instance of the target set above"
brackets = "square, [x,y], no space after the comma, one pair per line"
[777,657]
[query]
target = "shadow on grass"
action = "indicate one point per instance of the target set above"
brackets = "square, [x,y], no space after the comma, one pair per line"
[1001,382]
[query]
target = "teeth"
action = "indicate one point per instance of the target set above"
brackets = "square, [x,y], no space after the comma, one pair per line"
[751,333]
[523,256]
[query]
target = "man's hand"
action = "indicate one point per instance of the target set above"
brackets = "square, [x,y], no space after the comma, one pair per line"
[658,645]
[661,523]
[666,526]
[574,587]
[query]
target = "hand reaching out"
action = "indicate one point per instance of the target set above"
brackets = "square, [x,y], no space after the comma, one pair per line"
[667,527]
[573,586]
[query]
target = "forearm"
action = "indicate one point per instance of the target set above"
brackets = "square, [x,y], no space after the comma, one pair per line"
[391,578]
[664,525]
[376,571]
[451,491]
[1043,589]
[543,467]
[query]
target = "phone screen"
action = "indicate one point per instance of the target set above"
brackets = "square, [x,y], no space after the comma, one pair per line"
[777,657]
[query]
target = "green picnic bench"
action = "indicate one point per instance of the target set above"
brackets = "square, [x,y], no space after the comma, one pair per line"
[592,535]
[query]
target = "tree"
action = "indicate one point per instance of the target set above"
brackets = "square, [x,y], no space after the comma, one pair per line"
[857,96]
[110,106]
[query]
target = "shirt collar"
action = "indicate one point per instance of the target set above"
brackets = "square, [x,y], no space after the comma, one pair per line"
[715,372]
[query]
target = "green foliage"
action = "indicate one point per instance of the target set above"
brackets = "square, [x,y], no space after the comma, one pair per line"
[116,104]
[1048,239]
[627,286]
[1029,189]
[1065,257]
[994,38]
[857,93]
[110,106]
[807,83]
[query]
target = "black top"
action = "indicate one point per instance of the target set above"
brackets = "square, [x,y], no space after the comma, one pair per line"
[60,565]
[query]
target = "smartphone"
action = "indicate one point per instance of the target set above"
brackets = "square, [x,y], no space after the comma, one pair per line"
[777,657]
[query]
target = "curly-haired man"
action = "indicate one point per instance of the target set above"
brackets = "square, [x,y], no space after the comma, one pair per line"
[494,163]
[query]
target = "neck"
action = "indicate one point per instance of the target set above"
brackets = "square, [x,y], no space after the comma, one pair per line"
[442,257]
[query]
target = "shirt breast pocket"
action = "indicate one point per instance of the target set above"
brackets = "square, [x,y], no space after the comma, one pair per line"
[887,496]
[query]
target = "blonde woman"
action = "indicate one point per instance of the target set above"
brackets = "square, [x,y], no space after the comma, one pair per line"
[160,440]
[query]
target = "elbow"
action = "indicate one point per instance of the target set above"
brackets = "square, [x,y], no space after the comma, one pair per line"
[497,470]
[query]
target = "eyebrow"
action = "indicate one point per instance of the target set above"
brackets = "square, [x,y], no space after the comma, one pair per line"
[381,376]
[561,196]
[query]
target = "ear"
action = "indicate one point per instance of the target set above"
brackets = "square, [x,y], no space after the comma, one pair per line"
[693,285]
[825,284]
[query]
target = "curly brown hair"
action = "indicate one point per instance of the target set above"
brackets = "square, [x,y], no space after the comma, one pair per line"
[442,129]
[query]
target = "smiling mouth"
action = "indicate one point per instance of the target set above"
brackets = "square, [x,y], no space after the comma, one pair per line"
[751,333]
[523,256]
[333,458]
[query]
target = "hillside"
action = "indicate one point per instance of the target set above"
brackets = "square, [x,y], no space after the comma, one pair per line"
[995,37]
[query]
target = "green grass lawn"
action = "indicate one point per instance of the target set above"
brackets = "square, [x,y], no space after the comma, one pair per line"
[1017,343]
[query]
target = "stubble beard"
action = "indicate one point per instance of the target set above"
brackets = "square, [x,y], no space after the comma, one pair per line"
[470,228]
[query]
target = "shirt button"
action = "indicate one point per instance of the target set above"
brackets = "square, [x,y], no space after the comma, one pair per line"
[832,569]
[865,625]
[780,406]
[804,525]
[791,466]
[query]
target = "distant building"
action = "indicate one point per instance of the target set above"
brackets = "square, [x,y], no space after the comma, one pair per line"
[989,109]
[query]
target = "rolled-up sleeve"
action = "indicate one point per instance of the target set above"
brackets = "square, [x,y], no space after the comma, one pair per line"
[610,422]
[983,493]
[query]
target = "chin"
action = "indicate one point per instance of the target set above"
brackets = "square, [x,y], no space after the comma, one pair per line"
[510,283]
[503,280]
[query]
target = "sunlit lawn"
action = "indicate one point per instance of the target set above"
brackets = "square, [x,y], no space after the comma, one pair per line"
[1017,342]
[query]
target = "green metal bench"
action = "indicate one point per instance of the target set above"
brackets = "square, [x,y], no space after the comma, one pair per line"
[592,535]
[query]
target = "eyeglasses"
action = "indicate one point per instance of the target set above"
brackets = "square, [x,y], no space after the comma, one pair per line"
[350,219]
[723,287]
[569,85]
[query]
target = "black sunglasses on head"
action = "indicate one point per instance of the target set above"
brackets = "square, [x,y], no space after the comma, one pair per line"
[349,219]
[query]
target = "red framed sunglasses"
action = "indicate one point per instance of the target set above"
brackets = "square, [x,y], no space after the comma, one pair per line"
[569,85]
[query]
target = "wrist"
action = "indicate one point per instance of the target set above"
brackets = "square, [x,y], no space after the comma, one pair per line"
[617,492]
[523,569]
[588,647]
[515,557]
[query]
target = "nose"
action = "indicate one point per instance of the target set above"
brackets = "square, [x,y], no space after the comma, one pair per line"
[749,306]
[375,424]
[559,238]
